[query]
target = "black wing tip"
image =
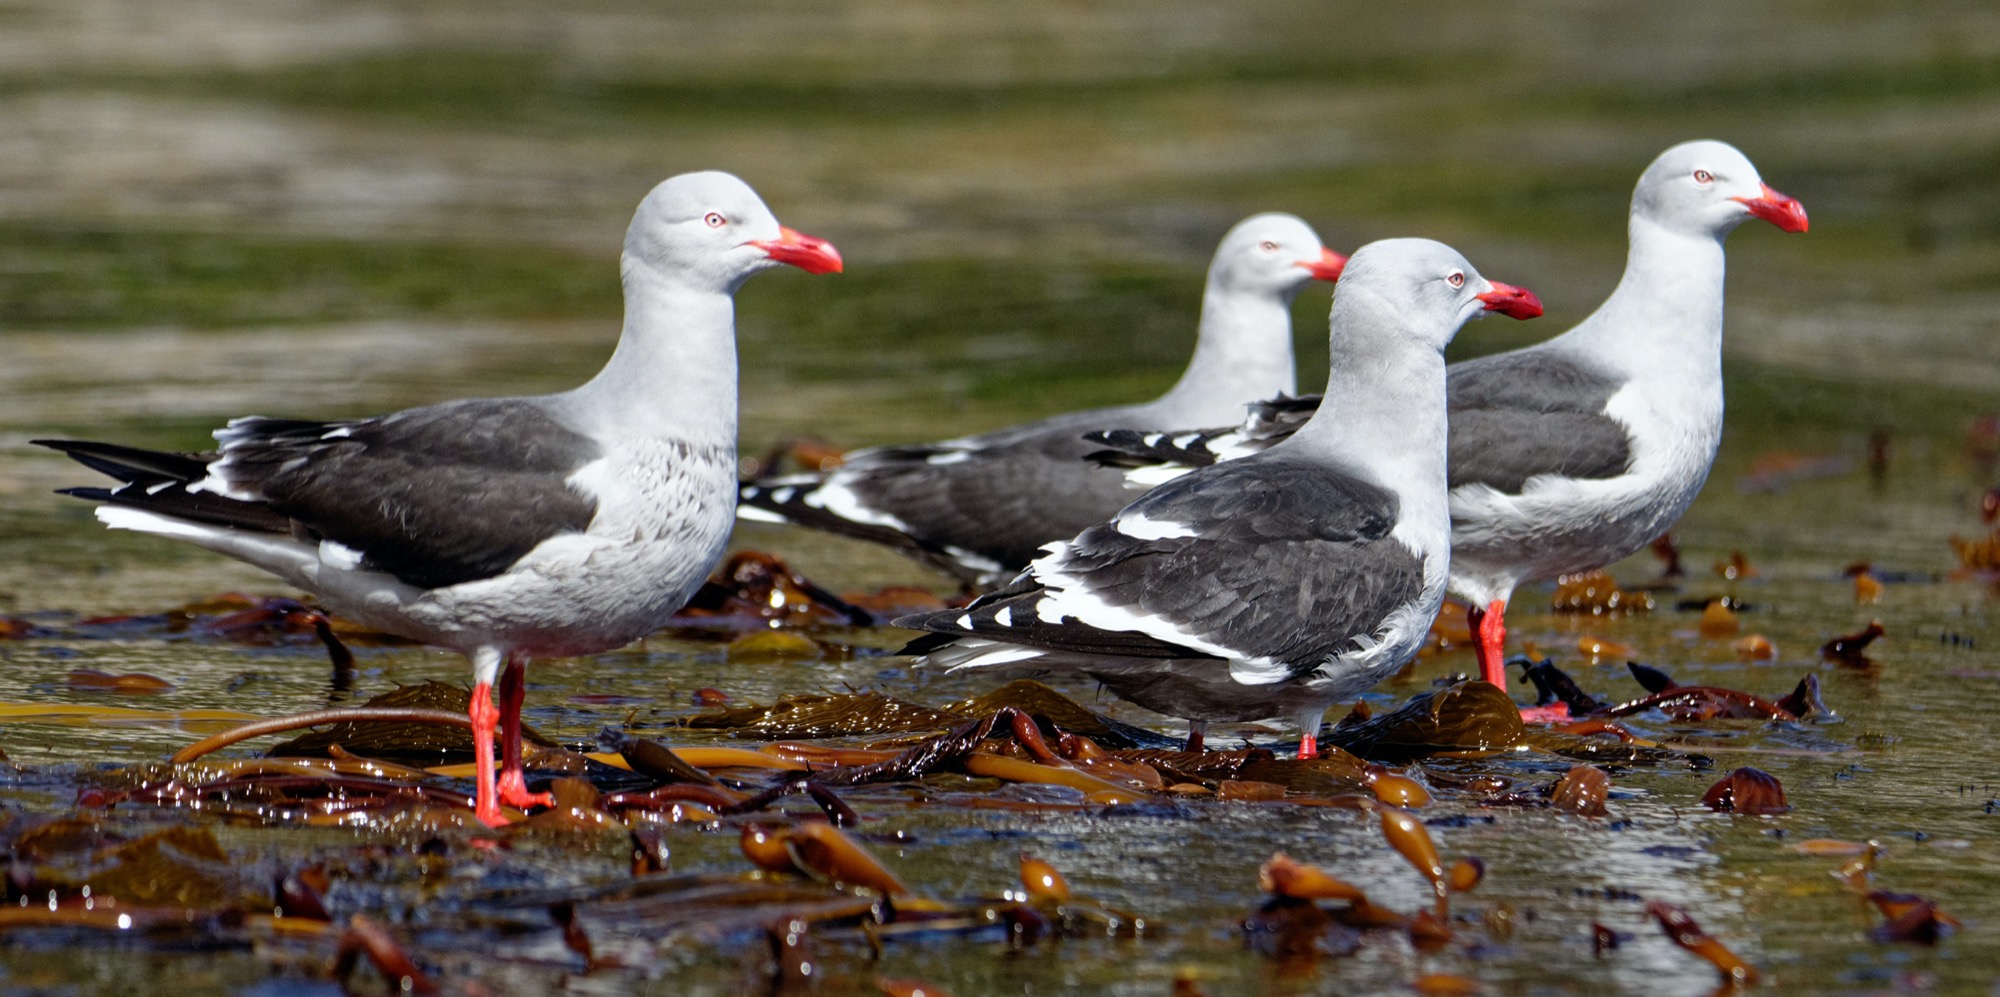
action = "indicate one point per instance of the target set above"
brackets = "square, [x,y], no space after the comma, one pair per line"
[755,493]
[128,464]
[1129,449]
[762,492]
[1114,459]
[67,446]
[916,621]
[928,642]
[175,502]
[96,446]
[1124,448]
[932,621]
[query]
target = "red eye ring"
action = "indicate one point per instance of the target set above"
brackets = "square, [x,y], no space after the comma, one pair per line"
[1456,280]
[1268,246]
[1703,177]
[715,219]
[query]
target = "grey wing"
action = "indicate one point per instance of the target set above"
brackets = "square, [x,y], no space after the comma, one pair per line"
[1514,416]
[1280,561]
[998,498]
[434,496]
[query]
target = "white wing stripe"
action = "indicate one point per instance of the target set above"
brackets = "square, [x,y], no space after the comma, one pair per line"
[1137,526]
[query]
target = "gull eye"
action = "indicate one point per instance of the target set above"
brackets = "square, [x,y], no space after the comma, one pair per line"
[1704,177]
[1456,279]
[1268,246]
[715,219]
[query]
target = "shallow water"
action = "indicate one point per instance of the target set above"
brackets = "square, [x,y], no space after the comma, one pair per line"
[343,208]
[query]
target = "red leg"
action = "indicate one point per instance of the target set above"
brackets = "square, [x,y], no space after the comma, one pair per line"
[513,783]
[1489,635]
[1308,721]
[483,714]
[1489,640]
[1196,730]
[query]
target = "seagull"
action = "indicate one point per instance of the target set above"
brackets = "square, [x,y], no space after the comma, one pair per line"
[1572,453]
[505,528]
[980,507]
[1273,585]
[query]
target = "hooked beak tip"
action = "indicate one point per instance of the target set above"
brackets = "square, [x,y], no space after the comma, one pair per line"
[1511,301]
[808,253]
[1779,209]
[1327,267]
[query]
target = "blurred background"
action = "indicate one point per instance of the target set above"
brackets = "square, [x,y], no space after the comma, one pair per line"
[338,207]
[320,208]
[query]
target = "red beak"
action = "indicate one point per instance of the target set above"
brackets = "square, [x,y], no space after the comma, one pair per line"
[1511,301]
[803,251]
[1327,267]
[1785,212]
